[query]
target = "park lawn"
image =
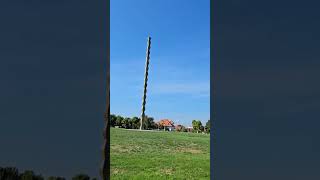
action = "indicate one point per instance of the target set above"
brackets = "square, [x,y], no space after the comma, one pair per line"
[159,155]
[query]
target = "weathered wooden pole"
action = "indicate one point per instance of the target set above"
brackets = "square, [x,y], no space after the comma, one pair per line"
[145,83]
[105,166]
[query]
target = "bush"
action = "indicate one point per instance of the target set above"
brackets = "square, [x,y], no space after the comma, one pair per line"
[29,175]
[56,178]
[9,173]
[81,177]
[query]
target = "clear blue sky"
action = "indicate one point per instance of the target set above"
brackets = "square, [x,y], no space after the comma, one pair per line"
[179,74]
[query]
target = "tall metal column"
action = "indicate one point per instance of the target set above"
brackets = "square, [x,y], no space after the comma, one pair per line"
[145,83]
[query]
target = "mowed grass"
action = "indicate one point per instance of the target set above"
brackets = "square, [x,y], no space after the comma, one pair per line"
[159,155]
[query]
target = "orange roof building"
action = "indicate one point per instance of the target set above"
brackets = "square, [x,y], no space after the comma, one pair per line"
[167,124]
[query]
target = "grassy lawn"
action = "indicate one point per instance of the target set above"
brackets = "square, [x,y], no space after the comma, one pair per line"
[159,155]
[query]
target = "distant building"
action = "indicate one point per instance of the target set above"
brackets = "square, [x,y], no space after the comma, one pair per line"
[167,124]
[178,127]
[189,129]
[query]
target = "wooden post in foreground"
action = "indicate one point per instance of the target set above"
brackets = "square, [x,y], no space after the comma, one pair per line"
[105,167]
[145,83]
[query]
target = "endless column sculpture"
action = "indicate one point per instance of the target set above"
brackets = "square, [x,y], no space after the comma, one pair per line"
[145,83]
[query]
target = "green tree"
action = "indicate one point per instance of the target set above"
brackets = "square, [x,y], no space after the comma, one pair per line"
[208,125]
[113,120]
[201,128]
[196,125]
[148,123]
[29,175]
[119,120]
[125,123]
[130,124]
[81,177]
[135,123]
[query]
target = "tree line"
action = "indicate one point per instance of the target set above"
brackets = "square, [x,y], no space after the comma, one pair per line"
[12,173]
[149,124]
[198,127]
[132,123]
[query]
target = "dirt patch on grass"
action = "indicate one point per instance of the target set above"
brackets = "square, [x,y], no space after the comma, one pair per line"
[117,171]
[124,148]
[167,171]
[188,150]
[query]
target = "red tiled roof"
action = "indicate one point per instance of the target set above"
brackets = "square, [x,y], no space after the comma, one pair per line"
[166,122]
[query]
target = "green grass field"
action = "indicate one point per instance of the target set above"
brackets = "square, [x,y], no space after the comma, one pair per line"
[159,155]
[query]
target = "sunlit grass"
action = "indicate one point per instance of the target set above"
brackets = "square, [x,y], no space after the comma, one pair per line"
[159,155]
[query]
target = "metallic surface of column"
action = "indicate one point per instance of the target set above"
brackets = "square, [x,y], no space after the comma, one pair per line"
[145,84]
